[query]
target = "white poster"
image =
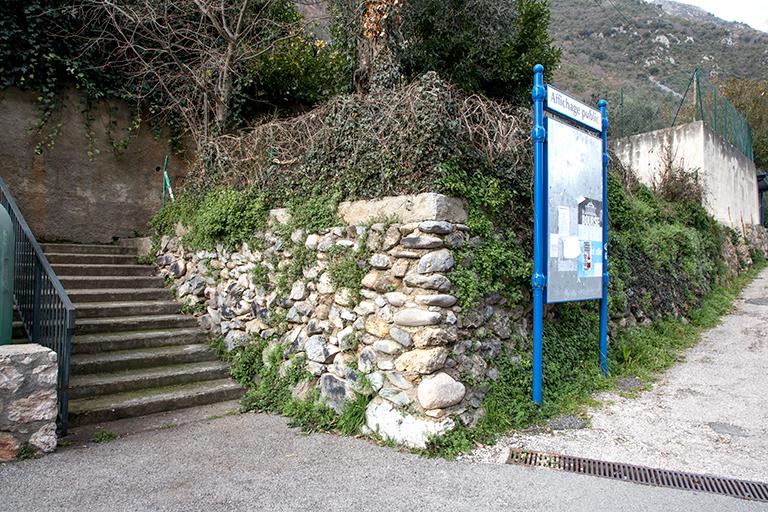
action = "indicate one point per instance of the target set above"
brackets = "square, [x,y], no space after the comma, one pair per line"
[575,213]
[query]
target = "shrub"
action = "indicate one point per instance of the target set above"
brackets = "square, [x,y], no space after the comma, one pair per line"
[482,46]
[222,215]
[299,70]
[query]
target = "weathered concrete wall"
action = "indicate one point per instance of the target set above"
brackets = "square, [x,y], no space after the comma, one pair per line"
[731,182]
[27,399]
[728,177]
[62,193]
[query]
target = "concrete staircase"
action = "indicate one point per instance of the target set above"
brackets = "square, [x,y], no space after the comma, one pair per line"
[132,352]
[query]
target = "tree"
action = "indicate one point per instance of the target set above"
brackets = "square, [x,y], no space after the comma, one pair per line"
[183,57]
[369,30]
[750,97]
[486,46]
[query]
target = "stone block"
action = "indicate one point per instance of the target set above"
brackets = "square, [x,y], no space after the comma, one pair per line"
[410,209]
[28,400]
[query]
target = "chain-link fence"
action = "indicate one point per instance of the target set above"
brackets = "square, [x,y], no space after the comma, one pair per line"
[701,101]
[721,116]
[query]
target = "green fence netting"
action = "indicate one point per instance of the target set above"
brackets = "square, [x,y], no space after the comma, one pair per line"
[701,101]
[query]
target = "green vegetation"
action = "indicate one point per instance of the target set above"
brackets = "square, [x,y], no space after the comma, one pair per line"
[497,264]
[314,211]
[104,436]
[222,215]
[26,451]
[187,308]
[257,366]
[48,46]
[299,70]
[32,58]
[571,372]
[348,266]
[487,47]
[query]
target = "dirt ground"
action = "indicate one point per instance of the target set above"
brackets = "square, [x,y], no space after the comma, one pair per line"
[708,414]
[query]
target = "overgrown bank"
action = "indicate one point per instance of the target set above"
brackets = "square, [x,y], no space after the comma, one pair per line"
[666,254]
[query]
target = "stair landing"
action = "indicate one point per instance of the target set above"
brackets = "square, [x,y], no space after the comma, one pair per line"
[133,353]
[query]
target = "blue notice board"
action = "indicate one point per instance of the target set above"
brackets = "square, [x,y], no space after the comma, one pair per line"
[570,220]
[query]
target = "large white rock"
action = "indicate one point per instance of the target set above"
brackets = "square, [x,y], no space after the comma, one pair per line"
[414,208]
[429,282]
[440,391]
[422,361]
[324,285]
[414,317]
[435,261]
[318,350]
[385,419]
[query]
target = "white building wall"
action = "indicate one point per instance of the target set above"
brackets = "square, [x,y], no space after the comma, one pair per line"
[728,177]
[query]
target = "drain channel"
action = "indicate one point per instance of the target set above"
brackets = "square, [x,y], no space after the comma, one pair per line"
[735,488]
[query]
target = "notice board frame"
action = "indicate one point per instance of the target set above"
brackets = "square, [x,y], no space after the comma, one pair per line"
[580,115]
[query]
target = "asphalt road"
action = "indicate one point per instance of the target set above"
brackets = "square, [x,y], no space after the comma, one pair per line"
[255,462]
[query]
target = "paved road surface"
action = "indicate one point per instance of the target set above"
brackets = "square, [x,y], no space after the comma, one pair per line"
[255,462]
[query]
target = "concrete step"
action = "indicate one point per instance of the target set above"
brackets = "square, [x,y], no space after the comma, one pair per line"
[75,269]
[118,294]
[97,343]
[91,259]
[148,401]
[133,323]
[130,308]
[121,360]
[81,386]
[87,249]
[91,282]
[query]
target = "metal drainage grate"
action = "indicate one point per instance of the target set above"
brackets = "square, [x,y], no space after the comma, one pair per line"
[744,489]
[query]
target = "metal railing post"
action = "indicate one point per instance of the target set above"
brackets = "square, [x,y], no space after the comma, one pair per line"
[36,287]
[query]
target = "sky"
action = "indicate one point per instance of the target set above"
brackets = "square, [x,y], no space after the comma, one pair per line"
[751,12]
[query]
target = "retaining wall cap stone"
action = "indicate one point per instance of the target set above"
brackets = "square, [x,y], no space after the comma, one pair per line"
[408,209]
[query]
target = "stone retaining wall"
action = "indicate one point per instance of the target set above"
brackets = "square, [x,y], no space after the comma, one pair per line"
[398,326]
[27,400]
[403,332]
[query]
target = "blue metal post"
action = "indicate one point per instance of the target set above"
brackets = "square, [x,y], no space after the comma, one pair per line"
[604,299]
[538,279]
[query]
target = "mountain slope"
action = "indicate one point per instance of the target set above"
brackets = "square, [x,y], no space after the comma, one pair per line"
[649,48]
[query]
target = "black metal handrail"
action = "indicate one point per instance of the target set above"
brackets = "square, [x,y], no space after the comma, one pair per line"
[44,307]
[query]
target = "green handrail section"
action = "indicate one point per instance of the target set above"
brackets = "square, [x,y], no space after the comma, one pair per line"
[167,182]
[46,311]
[7,246]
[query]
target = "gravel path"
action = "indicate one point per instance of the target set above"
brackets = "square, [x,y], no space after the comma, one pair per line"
[708,414]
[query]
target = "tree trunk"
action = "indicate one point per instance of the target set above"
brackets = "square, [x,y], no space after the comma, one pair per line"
[377,67]
[224,86]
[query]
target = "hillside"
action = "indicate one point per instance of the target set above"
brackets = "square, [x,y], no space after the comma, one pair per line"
[646,48]
[649,48]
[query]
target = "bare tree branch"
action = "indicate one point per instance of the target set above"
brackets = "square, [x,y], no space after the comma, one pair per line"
[184,56]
